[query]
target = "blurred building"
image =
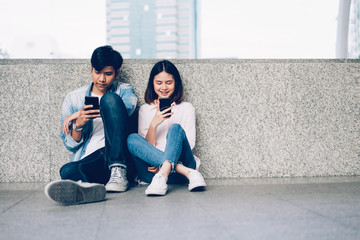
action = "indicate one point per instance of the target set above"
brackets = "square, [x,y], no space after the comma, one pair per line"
[354,30]
[153,28]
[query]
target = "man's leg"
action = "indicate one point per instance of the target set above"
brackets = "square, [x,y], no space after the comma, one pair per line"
[91,169]
[115,119]
[82,181]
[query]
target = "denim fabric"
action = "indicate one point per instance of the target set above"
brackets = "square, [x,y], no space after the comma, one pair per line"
[74,101]
[145,154]
[95,167]
[92,168]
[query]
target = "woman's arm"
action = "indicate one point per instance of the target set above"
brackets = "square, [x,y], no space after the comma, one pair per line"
[159,117]
[190,125]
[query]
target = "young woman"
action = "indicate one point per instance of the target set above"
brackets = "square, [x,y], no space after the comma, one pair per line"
[162,149]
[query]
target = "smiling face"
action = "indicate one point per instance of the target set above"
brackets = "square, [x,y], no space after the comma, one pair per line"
[164,85]
[102,79]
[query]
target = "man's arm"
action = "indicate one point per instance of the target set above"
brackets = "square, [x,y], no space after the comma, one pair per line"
[68,140]
[129,97]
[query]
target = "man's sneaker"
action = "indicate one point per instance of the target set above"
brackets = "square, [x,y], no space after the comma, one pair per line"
[158,186]
[118,181]
[69,192]
[196,181]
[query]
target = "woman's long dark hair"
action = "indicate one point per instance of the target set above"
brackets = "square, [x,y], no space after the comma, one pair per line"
[169,67]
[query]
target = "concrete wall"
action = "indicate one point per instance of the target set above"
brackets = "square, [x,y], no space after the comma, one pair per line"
[255,118]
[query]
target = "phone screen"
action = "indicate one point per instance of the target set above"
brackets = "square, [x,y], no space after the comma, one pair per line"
[164,104]
[92,101]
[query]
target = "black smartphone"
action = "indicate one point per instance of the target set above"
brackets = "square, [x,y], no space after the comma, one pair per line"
[92,101]
[164,104]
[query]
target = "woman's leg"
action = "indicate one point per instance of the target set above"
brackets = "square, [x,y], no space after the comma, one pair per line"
[141,148]
[178,151]
[142,169]
[144,155]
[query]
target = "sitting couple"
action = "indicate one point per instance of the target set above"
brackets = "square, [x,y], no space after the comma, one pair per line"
[100,141]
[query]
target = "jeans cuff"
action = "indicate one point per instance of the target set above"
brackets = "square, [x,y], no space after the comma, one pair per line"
[117,165]
[172,166]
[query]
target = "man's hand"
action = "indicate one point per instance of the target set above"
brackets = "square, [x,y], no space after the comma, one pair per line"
[85,115]
[67,120]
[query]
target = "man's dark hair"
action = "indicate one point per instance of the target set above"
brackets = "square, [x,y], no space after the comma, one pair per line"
[106,56]
[169,67]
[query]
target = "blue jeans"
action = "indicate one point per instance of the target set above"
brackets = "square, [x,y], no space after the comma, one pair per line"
[177,150]
[95,167]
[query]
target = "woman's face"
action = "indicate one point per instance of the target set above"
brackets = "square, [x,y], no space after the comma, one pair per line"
[164,84]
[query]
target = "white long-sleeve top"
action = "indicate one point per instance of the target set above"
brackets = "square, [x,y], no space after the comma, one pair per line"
[183,114]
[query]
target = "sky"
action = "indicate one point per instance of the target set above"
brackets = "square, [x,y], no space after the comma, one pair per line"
[228,28]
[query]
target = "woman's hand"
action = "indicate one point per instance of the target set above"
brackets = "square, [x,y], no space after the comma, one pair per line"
[85,115]
[153,169]
[67,120]
[160,116]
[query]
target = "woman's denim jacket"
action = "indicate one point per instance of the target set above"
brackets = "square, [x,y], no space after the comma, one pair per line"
[74,101]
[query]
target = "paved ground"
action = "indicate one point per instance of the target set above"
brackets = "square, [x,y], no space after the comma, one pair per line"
[286,208]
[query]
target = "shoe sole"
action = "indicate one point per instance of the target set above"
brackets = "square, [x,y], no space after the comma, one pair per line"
[115,188]
[197,187]
[69,192]
[155,192]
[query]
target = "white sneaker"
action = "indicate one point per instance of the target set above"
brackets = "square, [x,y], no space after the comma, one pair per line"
[157,186]
[196,181]
[69,192]
[117,181]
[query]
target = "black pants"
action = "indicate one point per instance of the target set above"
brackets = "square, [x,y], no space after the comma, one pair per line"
[95,167]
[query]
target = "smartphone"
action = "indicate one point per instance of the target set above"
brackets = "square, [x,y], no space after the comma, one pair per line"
[164,104]
[92,101]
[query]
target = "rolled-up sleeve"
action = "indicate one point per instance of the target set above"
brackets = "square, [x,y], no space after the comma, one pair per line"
[68,140]
[129,97]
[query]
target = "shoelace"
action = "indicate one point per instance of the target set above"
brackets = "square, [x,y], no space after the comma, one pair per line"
[116,175]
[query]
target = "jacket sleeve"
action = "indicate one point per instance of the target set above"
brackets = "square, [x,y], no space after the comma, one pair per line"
[67,139]
[129,97]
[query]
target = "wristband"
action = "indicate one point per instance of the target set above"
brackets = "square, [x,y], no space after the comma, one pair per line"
[76,129]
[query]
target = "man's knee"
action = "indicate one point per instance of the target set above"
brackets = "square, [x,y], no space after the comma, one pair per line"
[71,171]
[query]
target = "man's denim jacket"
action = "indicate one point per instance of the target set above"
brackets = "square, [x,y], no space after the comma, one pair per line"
[75,100]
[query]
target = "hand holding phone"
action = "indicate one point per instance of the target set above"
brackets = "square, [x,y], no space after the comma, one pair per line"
[165,103]
[92,101]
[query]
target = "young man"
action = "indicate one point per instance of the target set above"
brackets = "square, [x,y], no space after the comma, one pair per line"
[97,137]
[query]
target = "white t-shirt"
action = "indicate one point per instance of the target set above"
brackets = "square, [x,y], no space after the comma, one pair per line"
[97,139]
[183,114]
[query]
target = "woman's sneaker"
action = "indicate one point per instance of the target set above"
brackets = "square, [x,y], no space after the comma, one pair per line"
[158,186]
[69,192]
[196,181]
[117,181]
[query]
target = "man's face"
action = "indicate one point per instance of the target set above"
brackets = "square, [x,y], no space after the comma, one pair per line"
[102,79]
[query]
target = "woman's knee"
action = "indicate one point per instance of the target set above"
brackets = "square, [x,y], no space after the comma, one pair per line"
[132,141]
[176,127]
